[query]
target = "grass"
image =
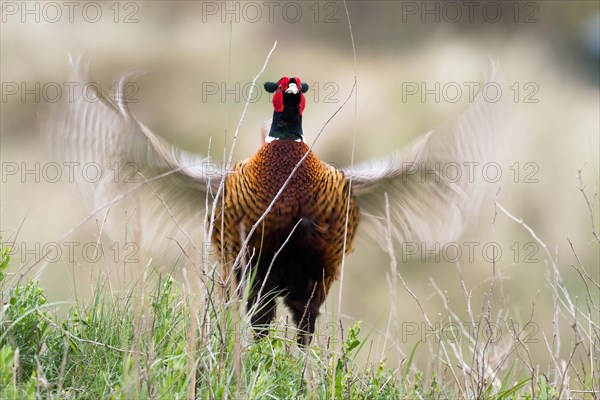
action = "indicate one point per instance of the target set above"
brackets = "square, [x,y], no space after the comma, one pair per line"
[109,349]
[159,340]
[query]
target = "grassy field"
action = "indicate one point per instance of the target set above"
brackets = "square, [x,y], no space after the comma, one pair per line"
[163,339]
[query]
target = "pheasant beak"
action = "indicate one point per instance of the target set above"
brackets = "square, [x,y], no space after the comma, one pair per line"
[292,88]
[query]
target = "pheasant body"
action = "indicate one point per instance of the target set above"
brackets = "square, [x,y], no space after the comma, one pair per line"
[306,225]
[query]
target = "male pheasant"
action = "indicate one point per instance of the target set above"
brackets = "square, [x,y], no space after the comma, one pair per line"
[306,225]
[282,219]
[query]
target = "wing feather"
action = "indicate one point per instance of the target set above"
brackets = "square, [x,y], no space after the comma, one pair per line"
[122,167]
[428,201]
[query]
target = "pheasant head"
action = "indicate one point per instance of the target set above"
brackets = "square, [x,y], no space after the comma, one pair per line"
[288,105]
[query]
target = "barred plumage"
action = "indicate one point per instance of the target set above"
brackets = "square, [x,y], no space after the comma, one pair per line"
[311,211]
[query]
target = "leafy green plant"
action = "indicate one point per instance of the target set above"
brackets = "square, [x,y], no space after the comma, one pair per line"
[24,324]
[9,389]
[4,260]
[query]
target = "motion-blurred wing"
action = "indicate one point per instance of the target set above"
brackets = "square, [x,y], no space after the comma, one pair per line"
[154,191]
[435,187]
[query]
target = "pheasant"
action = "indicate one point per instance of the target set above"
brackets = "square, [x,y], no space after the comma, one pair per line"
[282,219]
[311,221]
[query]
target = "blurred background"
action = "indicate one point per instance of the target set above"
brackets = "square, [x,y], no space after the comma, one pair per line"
[200,58]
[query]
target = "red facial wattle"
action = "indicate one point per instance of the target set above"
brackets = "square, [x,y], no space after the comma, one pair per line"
[278,97]
[282,86]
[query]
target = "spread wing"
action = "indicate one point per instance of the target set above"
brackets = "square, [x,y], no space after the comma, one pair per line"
[435,187]
[143,188]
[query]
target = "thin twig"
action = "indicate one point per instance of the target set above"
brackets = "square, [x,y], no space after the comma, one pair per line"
[349,200]
[581,188]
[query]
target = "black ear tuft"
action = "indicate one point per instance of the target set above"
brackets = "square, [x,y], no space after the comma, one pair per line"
[304,87]
[271,87]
